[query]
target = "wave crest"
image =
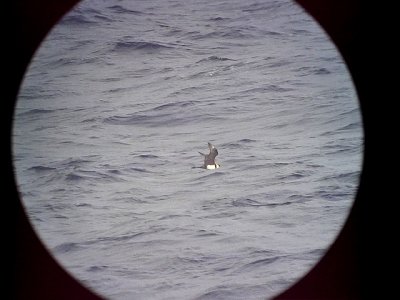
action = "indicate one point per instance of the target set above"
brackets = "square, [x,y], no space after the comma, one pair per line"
[140,46]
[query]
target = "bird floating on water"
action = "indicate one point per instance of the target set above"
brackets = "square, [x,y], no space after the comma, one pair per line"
[209,159]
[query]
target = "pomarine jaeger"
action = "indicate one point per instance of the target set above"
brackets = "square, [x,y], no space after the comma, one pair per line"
[209,159]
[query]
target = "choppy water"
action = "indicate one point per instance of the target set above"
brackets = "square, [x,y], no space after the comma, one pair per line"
[116,105]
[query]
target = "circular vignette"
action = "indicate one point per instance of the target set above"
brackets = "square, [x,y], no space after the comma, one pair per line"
[69,290]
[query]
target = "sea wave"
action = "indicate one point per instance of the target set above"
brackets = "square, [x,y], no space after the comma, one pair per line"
[215,58]
[148,47]
[118,9]
[94,176]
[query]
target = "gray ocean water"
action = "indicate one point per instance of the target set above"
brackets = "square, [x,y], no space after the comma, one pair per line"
[116,105]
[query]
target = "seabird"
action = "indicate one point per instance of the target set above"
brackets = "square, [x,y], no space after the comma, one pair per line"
[209,159]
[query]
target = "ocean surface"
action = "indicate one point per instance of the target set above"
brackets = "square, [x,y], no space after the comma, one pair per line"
[116,105]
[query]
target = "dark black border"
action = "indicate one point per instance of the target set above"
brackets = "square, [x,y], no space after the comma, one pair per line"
[355,267]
